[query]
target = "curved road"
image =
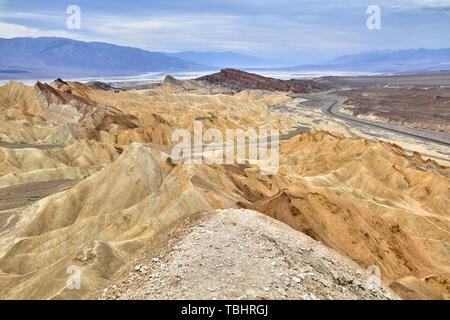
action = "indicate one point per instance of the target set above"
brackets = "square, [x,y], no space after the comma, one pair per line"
[330,102]
[329,110]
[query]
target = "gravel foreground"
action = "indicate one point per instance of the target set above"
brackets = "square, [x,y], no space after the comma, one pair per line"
[243,254]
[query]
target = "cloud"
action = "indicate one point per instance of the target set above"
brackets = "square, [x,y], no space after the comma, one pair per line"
[433,3]
[172,33]
[10,30]
[422,4]
[26,15]
[254,26]
[178,32]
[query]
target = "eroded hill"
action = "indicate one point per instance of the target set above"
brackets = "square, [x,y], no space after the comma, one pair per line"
[240,80]
[369,201]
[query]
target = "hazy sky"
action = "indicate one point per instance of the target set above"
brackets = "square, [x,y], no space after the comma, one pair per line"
[303,30]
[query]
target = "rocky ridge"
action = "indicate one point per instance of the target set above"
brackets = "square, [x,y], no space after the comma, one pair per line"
[240,80]
[242,254]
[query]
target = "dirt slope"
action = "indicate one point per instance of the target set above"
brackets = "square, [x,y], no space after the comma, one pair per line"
[242,254]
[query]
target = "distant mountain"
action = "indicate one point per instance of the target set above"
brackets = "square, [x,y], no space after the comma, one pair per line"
[398,57]
[61,57]
[49,57]
[387,61]
[227,59]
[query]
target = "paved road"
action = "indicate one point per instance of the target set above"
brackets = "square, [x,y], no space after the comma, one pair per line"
[330,111]
[331,104]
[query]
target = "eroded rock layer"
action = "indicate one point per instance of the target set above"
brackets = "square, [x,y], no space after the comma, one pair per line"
[102,160]
[239,80]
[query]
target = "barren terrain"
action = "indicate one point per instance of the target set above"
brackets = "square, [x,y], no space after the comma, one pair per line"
[417,108]
[241,254]
[406,80]
[87,179]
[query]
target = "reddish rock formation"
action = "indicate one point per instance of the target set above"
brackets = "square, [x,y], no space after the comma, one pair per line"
[239,80]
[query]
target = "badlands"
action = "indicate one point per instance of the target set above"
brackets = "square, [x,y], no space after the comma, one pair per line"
[87,181]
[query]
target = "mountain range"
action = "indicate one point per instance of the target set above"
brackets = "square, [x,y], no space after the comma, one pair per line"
[61,57]
[387,61]
[50,57]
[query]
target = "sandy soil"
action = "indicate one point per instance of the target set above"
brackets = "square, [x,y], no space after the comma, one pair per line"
[242,254]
